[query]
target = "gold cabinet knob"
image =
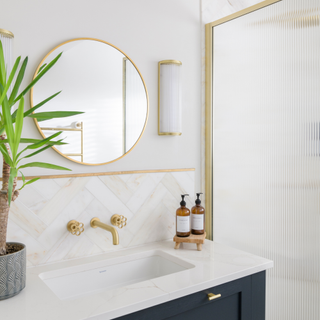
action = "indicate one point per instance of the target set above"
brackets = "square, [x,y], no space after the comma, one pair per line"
[212,296]
[119,220]
[75,227]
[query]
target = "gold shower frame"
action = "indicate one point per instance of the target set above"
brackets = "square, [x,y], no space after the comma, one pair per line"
[209,148]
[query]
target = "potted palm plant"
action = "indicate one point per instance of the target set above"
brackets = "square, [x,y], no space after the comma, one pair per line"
[14,148]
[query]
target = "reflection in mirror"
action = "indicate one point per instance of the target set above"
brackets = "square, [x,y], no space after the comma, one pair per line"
[100,80]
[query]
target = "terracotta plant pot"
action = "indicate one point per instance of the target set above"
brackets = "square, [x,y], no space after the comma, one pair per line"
[12,272]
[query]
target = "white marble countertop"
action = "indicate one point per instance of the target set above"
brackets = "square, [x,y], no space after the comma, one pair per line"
[214,265]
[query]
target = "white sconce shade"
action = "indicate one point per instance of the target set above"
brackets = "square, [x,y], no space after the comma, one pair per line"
[6,38]
[169,98]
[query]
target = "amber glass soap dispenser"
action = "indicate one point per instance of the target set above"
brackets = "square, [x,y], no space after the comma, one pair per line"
[197,217]
[183,219]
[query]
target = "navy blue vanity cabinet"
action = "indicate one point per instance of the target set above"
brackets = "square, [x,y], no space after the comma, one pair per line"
[242,299]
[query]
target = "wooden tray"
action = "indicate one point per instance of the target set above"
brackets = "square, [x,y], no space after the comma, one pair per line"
[193,238]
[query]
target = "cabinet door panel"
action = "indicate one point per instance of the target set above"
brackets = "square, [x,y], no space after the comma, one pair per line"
[242,299]
[225,309]
[235,303]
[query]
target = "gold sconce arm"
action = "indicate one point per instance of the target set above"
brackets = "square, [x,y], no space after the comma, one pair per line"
[75,227]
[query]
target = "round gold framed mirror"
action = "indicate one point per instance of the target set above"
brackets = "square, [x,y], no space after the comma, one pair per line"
[100,80]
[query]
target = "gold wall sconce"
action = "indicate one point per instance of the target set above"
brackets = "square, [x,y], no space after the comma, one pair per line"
[75,227]
[169,98]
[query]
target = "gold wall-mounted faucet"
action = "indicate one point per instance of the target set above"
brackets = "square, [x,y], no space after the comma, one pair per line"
[95,223]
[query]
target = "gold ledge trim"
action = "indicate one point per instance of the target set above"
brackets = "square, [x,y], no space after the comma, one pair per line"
[6,33]
[95,174]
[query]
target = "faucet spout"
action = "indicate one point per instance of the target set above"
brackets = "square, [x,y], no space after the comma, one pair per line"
[95,223]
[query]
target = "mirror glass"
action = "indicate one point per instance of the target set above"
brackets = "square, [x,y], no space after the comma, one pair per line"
[99,79]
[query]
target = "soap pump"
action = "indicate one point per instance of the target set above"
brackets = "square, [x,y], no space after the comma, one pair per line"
[183,219]
[197,217]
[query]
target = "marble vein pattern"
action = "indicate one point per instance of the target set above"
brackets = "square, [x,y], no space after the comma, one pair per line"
[40,215]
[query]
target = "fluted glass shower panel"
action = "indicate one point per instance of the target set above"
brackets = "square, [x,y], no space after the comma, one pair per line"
[266,142]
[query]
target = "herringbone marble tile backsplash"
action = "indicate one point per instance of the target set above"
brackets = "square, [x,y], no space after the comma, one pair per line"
[40,215]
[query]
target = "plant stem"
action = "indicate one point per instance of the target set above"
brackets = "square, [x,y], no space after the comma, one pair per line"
[4,205]
[4,213]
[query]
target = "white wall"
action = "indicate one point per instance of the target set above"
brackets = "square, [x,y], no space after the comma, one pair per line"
[147,31]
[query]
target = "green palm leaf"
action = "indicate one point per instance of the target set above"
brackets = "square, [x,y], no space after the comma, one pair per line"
[8,83]
[2,67]
[44,141]
[39,144]
[41,68]
[18,81]
[18,128]
[40,104]
[38,151]
[29,182]
[12,124]
[25,140]
[8,121]
[41,116]
[5,154]
[14,115]
[43,165]
[38,77]
[23,177]
[51,143]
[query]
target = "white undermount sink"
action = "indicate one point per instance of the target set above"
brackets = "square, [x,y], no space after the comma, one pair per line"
[114,273]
